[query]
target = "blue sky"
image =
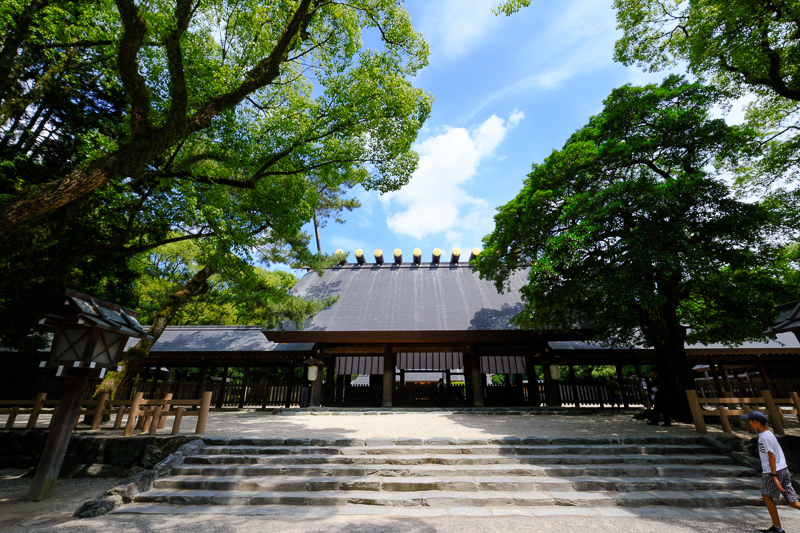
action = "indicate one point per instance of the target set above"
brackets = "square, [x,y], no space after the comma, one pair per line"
[507,91]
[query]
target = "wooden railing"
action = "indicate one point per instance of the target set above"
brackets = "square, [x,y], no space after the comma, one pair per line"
[146,415]
[765,403]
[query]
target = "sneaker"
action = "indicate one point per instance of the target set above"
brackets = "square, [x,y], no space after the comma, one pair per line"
[773,529]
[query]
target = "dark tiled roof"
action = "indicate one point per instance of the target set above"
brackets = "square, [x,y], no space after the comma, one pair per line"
[219,339]
[788,318]
[409,298]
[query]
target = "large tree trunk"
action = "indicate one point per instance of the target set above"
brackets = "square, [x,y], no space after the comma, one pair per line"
[662,328]
[134,357]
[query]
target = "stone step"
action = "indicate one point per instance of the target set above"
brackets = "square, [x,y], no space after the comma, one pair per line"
[442,470]
[457,459]
[552,449]
[455,499]
[459,484]
[440,441]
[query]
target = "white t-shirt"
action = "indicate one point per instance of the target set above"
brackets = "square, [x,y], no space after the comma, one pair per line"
[768,443]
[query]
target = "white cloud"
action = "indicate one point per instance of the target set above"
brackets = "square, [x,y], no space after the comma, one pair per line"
[433,200]
[455,27]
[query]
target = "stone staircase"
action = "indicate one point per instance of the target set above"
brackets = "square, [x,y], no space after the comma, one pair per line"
[348,474]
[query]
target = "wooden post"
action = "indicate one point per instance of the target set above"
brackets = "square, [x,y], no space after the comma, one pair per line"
[221,395]
[330,378]
[120,414]
[202,416]
[727,382]
[475,375]
[37,409]
[288,403]
[573,384]
[796,402]
[266,393]
[533,382]
[97,417]
[552,393]
[642,392]
[134,412]
[155,421]
[774,414]
[389,364]
[723,418]
[244,383]
[715,374]
[176,424]
[625,402]
[163,422]
[697,412]
[57,441]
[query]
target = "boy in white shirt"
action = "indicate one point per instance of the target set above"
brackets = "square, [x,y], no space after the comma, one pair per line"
[775,479]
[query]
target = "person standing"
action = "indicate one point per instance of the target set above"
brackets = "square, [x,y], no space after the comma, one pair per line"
[614,393]
[775,477]
[658,394]
[441,391]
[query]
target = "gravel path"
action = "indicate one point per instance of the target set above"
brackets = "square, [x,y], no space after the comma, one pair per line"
[260,424]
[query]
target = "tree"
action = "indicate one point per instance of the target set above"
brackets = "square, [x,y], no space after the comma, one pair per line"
[192,72]
[200,122]
[627,228]
[745,46]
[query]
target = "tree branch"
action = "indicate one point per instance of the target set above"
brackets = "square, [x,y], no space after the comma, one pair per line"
[135,28]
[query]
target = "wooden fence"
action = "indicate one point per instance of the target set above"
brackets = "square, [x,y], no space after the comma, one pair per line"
[735,406]
[147,415]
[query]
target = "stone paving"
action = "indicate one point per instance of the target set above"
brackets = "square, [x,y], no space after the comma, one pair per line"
[377,427]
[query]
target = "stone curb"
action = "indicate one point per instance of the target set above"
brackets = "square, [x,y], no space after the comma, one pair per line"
[141,482]
[354,411]
[446,441]
[370,510]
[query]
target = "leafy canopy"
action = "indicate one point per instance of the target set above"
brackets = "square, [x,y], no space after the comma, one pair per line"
[213,122]
[745,46]
[627,227]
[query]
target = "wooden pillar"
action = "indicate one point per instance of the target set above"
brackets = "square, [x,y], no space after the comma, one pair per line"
[625,402]
[64,420]
[200,380]
[288,402]
[712,367]
[266,394]
[221,396]
[552,394]
[389,364]
[573,384]
[316,386]
[473,376]
[244,383]
[329,388]
[533,383]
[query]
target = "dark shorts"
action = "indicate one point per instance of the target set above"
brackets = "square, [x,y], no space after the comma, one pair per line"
[768,487]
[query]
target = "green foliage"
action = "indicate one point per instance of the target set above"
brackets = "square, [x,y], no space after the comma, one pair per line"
[238,294]
[509,7]
[744,46]
[627,229]
[226,124]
